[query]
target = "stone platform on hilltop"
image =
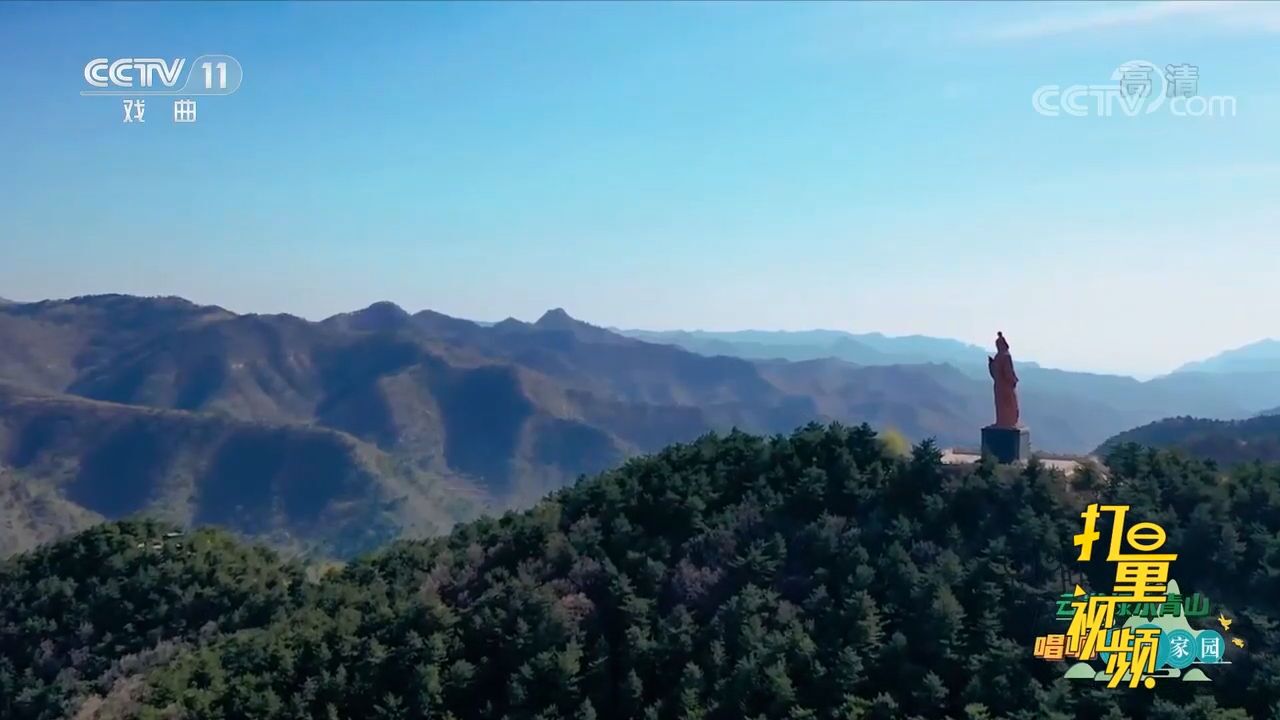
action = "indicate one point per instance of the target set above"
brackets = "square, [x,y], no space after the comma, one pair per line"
[1066,463]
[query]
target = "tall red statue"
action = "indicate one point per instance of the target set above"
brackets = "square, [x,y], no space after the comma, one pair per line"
[1001,369]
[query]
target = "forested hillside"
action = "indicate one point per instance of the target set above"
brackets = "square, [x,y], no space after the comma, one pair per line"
[67,462]
[1224,442]
[819,575]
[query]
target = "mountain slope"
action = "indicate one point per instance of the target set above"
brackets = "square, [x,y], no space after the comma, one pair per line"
[73,461]
[33,511]
[1224,442]
[45,345]
[1261,356]
[420,400]
[815,575]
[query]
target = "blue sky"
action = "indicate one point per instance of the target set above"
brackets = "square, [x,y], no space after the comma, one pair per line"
[715,165]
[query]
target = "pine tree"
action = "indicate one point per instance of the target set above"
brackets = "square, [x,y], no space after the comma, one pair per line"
[690,705]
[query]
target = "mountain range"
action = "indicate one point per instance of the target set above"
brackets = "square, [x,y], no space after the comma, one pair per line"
[1234,384]
[334,435]
[857,348]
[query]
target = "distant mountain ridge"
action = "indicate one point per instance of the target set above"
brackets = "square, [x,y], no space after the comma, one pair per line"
[1111,400]
[496,414]
[857,348]
[1261,356]
[1226,442]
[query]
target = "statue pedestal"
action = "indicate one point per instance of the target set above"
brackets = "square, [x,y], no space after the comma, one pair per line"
[1006,445]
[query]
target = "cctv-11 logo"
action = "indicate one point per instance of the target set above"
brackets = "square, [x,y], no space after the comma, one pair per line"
[208,75]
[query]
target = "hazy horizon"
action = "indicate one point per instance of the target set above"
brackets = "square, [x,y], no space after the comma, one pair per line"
[858,167]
